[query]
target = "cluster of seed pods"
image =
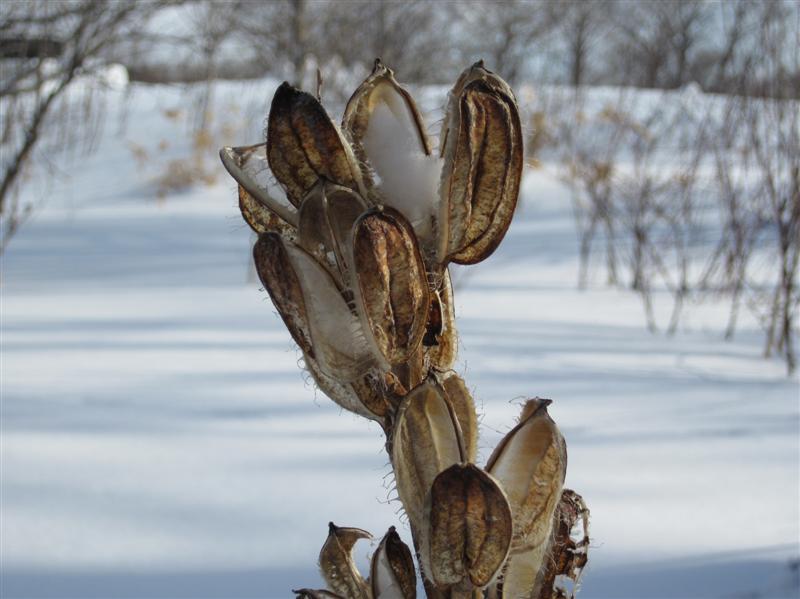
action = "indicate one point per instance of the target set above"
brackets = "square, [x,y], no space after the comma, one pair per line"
[353,250]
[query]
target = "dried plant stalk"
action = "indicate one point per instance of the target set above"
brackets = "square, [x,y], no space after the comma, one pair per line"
[358,270]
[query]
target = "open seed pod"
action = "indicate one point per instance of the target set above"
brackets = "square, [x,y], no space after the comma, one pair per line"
[390,283]
[388,137]
[336,562]
[304,145]
[311,304]
[392,573]
[248,166]
[470,528]
[326,219]
[481,143]
[530,462]
[426,440]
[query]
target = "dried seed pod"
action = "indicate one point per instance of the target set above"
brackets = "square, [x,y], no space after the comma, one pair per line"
[304,145]
[312,306]
[392,573]
[248,166]
[530,462]
[277,273]
[390,283]
[388,137]
[441,336]
[381,87]
[482,151]
[425,441]
[470,528]
[315,594]
[337,565]
[464,407]
[326,219]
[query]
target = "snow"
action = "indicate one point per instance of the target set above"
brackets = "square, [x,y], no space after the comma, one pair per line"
[159,440]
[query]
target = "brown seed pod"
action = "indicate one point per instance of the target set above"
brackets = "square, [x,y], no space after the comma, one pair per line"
[441,336]
[277,274]
[483,159]
[336,562]
[381,88]
[425,441]
[326,219]
[390,283]
[464,407]
[530,462]
[304,145]
[248,166]
[392,573]
[470,528]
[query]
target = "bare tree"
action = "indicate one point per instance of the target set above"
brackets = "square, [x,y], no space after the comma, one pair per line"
[583,26]
[512,34]
[47,47]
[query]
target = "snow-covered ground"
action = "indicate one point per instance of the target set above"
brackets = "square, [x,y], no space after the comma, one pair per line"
[159,440]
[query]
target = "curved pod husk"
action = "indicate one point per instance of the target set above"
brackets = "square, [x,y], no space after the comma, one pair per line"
[483,159]
[464,408]
[392,573]
[260,218]
[248,166]
[390,283]
[277,274]
[530,462]
[470,528]
[425,441]
[336,562]
[304,145]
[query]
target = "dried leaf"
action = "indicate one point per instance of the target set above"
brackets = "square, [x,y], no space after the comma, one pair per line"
[530,462]
[304,145]
[390,283]
[336,562]
[425,441]
[248,166]
[470,528]
[482,151]
[392,573]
